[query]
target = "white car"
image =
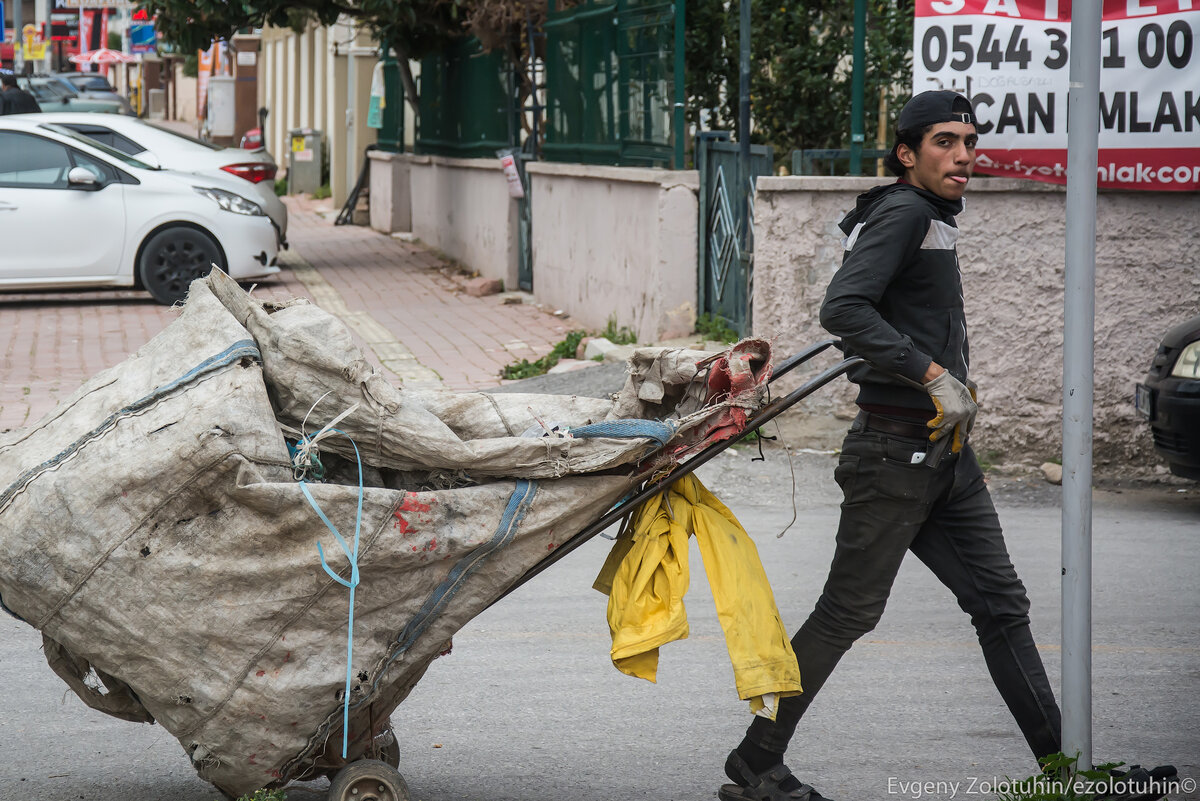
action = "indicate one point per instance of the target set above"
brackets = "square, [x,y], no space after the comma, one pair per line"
[77,214]
[163,147]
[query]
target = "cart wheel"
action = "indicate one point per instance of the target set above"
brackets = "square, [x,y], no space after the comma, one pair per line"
[368,780]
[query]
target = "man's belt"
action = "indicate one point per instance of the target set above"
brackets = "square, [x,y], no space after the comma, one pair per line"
[890,425]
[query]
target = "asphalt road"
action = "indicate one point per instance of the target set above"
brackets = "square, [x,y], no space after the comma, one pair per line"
[528,705]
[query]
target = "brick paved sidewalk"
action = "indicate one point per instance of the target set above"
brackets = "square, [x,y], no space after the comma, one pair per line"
[440,335]
[409,318]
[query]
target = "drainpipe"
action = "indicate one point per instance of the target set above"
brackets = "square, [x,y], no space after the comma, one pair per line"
[351,122]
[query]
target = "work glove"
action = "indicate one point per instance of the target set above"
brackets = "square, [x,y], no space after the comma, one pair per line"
[956,409]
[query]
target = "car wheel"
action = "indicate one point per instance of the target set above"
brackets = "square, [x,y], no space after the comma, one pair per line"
[173,258]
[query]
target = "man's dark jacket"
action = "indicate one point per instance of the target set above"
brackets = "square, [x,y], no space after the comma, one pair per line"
[897,298]
[18,101]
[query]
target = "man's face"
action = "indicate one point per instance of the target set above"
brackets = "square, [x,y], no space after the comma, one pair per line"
[945,160]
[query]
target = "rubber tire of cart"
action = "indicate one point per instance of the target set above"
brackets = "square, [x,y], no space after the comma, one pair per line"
[373,780]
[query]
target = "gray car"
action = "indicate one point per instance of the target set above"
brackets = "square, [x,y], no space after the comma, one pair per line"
[95,86]
[53,94]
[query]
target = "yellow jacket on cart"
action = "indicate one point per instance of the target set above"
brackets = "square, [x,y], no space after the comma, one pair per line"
[646,577]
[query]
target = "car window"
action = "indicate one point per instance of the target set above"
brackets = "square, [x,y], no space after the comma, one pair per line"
[55,88]
[103,148]
[93,83]
[32,162]
[42,93]
[105,174]
[108,137]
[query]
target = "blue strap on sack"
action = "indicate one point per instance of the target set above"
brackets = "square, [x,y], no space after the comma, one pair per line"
[352,556]
[627,429]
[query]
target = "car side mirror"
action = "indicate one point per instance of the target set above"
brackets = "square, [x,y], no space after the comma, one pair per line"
[82,178]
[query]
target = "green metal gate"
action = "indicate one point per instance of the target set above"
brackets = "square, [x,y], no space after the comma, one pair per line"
[465,102]
[614,83]
[726,256]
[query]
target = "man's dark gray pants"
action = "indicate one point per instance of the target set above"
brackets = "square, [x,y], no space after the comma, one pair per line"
[945,516]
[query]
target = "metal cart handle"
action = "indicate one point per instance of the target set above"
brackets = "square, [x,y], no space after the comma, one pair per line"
[761,418]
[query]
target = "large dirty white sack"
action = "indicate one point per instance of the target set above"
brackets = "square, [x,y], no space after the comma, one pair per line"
[152,527]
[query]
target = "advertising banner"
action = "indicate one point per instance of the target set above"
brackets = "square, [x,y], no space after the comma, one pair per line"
[204,70]
[64,24]
[142,38]
[1011,59]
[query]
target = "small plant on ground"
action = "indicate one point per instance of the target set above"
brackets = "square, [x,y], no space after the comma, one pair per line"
[989,459]
[714,329]
[624,335]
[281,186]
[321,192]
[265,795]
[1061,779]
[563,350]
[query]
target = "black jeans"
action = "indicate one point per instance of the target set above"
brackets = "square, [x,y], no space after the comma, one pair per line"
[945,516]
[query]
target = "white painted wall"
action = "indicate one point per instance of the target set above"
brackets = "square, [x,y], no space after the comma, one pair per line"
[462,208]
[1012,251]
[616,241]
[304,83]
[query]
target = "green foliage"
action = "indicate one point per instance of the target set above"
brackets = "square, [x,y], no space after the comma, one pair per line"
[265,795]
[618,336]
[280,186]
[191,65]
[321,192]
[416,28]
[714,328]
[563,350]
[801,68]
[114,41]
[1060,779]
[989,459]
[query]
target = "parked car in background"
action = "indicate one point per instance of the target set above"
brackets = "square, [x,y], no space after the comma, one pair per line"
[1170,399]
[53,94]
[92,85]
[172,150]
[78,214]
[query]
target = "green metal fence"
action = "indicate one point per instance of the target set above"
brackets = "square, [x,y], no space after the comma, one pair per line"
[832,161]
[614,74]
[465,103]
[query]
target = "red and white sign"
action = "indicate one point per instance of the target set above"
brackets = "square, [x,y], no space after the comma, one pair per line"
[1011,59]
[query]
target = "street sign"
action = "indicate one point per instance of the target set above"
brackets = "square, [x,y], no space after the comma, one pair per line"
[142,38]
[64,26]
[1011,61]
[33,48]
[96,3]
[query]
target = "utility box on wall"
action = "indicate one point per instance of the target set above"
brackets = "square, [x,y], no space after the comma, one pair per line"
[220,107]
[305,157]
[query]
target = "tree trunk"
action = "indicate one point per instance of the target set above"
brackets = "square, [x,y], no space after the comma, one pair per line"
[410,85]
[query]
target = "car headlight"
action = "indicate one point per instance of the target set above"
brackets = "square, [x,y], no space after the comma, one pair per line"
[230,201]
[1188,363]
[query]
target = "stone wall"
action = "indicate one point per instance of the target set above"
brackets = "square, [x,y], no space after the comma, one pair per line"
[1012,254]
[462,208]
[616,241]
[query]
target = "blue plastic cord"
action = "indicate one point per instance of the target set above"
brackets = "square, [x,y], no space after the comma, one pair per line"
[352,555]
[658,431]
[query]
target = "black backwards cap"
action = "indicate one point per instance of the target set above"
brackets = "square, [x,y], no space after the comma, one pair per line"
[933,107]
